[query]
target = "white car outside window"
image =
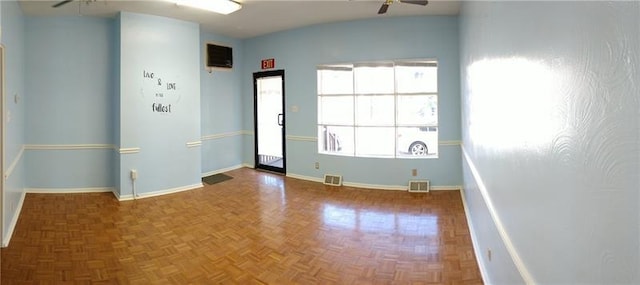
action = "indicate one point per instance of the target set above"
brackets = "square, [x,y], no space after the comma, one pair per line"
[418,140]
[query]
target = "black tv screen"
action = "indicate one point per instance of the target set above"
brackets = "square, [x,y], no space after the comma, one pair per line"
[219,56]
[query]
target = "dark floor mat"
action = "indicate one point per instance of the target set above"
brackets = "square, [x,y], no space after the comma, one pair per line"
[216,178]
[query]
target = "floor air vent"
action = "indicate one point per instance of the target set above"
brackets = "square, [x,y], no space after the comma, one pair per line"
[421,186]
[334,180]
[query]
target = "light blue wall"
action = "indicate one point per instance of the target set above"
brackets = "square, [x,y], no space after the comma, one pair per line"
[169,49]
[115,105]
[550,125]
[221,108]
[69,169]
[13,34]
[300,51]
[70,86]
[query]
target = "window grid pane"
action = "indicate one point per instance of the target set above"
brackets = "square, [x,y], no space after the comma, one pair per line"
[375,141]
[336,110]
[374,80]
[417,110]
[336,139]
[335,81]
[375,110]
[416,79]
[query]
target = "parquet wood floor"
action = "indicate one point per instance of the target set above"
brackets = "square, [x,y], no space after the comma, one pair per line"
[258,228]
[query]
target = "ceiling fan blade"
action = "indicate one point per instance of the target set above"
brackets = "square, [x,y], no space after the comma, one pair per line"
[61,3]
[383,8]
[417,2]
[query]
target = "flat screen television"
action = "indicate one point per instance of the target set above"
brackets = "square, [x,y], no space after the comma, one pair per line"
[219,56]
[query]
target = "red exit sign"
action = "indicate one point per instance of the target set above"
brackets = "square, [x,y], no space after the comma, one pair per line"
[269,63]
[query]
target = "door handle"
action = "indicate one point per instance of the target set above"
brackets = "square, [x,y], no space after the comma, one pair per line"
[280,119]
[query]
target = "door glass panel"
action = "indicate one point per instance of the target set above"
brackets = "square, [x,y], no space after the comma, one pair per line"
[269,121]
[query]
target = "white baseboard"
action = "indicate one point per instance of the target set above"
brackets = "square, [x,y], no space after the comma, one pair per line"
[222,170]
[474,240]
[158,193]
[14,221]
[121,198]
[248,165]
[497,221]
[69,190]
[373,186]
[303,177]
[446,188]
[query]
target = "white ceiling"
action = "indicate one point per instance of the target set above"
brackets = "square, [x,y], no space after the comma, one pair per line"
[257,17]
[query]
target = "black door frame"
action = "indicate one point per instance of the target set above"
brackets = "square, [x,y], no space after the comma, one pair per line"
[256,76]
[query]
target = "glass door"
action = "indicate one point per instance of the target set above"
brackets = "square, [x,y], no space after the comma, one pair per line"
[269,120]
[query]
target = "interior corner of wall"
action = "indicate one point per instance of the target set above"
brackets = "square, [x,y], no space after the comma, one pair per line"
[116,191]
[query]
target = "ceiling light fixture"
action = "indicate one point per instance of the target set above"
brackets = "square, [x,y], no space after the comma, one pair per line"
[224,7]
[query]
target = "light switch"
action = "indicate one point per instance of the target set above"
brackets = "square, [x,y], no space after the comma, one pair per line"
[295,108]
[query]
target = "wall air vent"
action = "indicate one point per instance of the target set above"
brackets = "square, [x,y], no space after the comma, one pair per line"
[420,186]
[333,180]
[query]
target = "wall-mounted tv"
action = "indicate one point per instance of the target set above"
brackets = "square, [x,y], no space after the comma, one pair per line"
[219,56]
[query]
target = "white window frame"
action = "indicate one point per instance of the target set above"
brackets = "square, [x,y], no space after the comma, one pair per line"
[353,95]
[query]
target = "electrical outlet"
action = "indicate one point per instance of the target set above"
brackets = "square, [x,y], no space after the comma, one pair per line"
[489,254]
[317,165]
[414,172]
[134,174]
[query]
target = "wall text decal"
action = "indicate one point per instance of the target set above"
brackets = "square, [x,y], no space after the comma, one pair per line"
[164,94]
